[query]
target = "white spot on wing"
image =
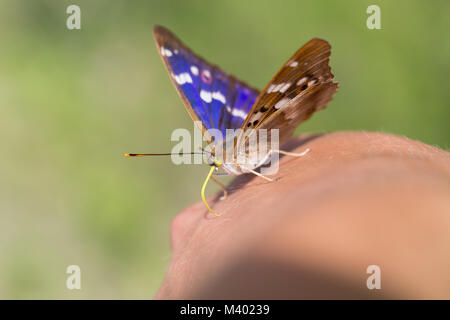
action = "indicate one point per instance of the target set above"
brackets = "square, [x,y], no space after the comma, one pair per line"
[277,88]
[270,89]
[166,52]
[301,81]
[219,96]
[183,78]
[293,64]
[206,96]
[194,70]
[281,87]
[285,87]
[281,103]
[237,112]
[256,116]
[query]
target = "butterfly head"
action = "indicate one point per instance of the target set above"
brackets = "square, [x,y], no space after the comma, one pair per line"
[214,161]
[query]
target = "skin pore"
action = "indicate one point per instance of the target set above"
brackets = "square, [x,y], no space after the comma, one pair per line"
[356,199]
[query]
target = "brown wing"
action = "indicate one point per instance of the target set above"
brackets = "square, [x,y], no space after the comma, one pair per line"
[303,85]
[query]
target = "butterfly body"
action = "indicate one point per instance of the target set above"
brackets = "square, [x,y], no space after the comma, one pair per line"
[234,167]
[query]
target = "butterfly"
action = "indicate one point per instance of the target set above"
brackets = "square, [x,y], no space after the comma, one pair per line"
[218,101]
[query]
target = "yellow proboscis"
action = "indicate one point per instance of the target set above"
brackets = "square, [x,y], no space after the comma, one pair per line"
[203,191]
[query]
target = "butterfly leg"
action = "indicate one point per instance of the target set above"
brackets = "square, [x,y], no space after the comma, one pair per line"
[225,192]
[260,175]
[292,154]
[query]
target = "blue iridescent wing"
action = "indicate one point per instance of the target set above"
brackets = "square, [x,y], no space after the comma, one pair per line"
[218,100]
[303,85]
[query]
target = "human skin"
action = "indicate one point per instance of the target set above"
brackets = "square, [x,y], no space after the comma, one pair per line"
[356,199]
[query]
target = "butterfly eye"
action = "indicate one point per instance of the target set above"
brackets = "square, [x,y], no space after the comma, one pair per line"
[210,161]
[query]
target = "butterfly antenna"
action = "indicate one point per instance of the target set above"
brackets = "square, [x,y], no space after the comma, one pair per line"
[169,154]
[203,191]
[158,154]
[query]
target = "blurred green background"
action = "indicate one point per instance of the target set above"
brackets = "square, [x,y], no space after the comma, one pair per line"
[73,101]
